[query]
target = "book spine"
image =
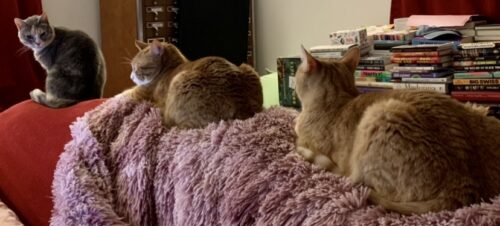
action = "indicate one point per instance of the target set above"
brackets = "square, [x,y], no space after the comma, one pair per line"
[493,81]
[410,49]
[413,69]
[416,54]
[370,67]
[332,54]
[477,45]
[476,87]
[478,52]
[477,68]
[427,80]
[440,88]
[415,75]
[487,57]
[476,96]
[417,41]
[387,85]
[286,81]
[418,60]
[364,89]
[474,63]
[473,74]
[372,62]
[380,76]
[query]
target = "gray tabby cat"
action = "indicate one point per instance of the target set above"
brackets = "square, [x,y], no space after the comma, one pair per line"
[74,64]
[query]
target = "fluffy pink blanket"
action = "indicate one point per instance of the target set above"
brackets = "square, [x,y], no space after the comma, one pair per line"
[123,167]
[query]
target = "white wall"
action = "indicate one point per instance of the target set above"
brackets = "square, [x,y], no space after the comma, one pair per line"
[282,25]
[75,14]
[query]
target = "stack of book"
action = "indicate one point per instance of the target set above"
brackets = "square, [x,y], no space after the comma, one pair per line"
[423,67]
[373,74]
[487,32]
[469,28]
[477,73]
[383,42]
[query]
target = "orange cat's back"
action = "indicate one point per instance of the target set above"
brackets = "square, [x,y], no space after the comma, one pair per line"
[426,143]
[212,89]
[418,151]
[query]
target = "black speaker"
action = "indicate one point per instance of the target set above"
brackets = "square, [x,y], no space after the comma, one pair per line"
[214,28]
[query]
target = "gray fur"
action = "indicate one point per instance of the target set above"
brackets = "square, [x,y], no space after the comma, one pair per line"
[75,66]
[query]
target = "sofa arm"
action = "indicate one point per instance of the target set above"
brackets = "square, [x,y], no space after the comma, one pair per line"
[31,138]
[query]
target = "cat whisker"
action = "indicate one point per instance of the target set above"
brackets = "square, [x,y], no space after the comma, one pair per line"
[22,50]
[127,60]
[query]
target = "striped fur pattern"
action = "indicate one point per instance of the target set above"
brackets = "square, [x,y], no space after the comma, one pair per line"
[418,151]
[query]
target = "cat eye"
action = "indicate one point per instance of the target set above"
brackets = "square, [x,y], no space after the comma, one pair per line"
[29,37]
[43,34]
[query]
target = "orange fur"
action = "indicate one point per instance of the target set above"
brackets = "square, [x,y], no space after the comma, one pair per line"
[418,151]
[193,94]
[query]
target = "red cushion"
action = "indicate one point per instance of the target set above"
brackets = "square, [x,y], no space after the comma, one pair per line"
[31,138]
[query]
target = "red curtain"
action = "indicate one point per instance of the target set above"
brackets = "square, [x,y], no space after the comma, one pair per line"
[19,72]
[405,8]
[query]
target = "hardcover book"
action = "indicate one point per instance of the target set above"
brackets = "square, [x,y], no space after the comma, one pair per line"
[423,54]
[447,79]
[478,68]
[417,69]
[420,75]
[473,74]
[475,63]
[456,43]
[479,38]
[478,45]
[477,58]
[374,60]
[422,47]
[476,87]
[388,85]
[479,52]
[440,88]
[482,96]
[379,76]
[421,60]
[493,81]
[287,66]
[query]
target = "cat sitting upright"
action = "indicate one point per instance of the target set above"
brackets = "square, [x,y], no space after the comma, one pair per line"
[418,151]
[192,94]
[75,66]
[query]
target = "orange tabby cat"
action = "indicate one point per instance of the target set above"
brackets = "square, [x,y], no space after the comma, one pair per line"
[418,151]
[193,94]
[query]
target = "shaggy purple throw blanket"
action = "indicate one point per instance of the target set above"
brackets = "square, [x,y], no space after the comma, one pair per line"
[123,167]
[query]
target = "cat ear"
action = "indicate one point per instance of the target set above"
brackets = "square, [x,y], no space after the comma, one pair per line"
[19,23]
[44,18]
[156,48]
[351,58]
[140,45]
[309,63]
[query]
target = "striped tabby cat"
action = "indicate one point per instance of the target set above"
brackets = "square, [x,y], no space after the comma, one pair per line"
[193,94]
[418,151]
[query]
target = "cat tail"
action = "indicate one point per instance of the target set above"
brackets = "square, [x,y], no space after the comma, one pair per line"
[408,208]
